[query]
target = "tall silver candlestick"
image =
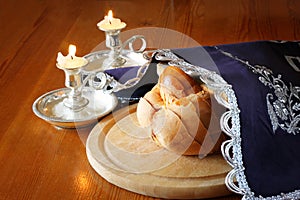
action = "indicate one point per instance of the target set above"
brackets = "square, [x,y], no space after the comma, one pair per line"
[117,56]
[112,41]
[112,28]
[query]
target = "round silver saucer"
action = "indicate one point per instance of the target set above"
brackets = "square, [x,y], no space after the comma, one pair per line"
[50,108]
[100,60]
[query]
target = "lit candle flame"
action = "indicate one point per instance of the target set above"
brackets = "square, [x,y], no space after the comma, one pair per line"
[110,16]
[70,61]
[72,50]
[109,23]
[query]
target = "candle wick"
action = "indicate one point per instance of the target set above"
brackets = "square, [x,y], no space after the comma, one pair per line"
[109,21]
[72,57]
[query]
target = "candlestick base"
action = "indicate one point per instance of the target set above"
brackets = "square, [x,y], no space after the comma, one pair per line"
[52,108]
[118,62]
[75,104]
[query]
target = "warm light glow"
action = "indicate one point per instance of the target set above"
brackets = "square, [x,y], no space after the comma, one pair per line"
[70,61]
[110,15]
[72,50]
[109,23]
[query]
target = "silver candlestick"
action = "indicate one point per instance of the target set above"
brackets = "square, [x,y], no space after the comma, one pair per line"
[117,56]
[113,42]
[76,105]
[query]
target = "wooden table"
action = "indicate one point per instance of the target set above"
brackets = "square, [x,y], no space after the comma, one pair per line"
[38,161]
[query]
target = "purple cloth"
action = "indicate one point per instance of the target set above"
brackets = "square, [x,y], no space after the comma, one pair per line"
[140,89]
[271,158]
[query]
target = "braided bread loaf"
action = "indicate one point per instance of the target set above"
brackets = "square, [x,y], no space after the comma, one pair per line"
[178,110]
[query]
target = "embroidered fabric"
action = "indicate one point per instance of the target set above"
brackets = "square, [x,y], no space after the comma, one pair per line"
[260,161]
[282,109]
[284,106]
[230,121]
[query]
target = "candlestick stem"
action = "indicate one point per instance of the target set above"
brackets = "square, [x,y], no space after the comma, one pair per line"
[114,43]
[75,101]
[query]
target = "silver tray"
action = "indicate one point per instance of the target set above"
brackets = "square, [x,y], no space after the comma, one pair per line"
[99,60]
[50,108]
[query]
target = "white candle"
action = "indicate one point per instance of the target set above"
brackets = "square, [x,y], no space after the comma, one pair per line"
[70,61]
[109,23]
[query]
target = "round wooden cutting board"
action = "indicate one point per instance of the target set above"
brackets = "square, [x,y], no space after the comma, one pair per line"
[124,154]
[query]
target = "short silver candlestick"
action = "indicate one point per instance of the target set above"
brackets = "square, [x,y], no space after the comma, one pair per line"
[75,105]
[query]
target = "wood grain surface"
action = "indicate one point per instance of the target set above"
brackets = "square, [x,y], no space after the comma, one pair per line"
[122,152]
[38,161]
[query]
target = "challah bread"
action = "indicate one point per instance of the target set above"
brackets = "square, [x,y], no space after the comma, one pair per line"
[173,81]
[178,110]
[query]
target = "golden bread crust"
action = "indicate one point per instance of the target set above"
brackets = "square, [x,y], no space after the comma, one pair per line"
[178,110]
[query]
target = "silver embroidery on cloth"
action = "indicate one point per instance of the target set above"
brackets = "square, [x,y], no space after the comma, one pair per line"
[230,123]
[291,60]
[283,103]
[236,159]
